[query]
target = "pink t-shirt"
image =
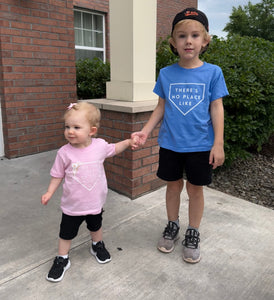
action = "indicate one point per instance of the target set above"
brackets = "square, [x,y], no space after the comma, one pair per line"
[85,184]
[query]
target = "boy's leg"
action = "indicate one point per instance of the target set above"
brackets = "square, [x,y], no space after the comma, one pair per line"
[191,247]
[196,204]
[173,198]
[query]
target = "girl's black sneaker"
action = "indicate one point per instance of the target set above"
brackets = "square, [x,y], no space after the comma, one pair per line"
[100,252]
[58,269]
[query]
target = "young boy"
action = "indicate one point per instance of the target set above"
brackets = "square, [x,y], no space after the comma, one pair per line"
[191,133]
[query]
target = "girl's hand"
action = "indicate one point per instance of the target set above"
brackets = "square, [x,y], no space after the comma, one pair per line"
[45,198]
[134,142]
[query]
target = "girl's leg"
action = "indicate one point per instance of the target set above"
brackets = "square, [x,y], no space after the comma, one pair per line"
[196,204]
[98,249]
[64,247]
[173,198]
[97,236]
[60,265]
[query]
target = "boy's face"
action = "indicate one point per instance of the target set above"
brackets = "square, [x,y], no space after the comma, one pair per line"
[188,39]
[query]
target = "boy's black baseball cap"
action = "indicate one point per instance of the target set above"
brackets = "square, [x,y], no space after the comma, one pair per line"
[193,14]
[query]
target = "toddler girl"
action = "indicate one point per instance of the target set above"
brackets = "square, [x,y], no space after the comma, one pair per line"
[79,164]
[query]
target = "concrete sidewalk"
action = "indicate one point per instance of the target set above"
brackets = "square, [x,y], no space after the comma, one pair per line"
[237,245]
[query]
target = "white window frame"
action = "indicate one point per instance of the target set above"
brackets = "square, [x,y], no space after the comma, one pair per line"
[104,33]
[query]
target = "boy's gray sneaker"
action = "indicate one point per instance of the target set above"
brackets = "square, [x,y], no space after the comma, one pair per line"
[191,247]
[170,236]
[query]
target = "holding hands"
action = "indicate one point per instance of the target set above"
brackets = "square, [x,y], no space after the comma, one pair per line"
[139,138]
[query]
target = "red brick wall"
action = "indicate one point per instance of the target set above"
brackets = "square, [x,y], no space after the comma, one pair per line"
[38,71]
[131,173]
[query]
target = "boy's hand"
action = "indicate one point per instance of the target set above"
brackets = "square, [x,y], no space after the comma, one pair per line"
[217,156]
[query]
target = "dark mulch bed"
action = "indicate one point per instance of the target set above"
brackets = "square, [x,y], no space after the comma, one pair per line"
[251,179]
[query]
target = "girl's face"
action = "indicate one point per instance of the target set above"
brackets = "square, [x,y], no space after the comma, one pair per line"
[78,131]
[188,39]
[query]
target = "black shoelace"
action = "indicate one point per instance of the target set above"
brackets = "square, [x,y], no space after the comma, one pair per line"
[191,239]
[170,231]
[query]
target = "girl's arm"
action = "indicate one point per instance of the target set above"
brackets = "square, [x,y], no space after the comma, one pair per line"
[217,155]
[53,185]
[153,121]
[123,145]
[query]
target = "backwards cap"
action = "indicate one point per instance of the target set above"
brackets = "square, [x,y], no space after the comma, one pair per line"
[193,14]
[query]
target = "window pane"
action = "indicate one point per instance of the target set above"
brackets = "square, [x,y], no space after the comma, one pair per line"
[99,40]
[88,54]
[98,23]
[78,37]
[87,21]
[88,40]
[77,19]
[89,32]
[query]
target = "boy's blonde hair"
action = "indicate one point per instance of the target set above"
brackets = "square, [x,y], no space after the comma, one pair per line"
[92,112]
[207,36]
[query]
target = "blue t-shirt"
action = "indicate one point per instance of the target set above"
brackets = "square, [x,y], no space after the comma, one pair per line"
[187,126]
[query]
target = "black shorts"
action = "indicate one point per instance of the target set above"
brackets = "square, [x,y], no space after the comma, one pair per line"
[70,224]
[195,164]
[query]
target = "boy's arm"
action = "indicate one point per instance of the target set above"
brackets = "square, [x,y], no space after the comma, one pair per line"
[53,186]
[153,121]
[217,155]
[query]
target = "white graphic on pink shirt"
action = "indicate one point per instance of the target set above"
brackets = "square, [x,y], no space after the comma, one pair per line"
[87,174]
[186,96]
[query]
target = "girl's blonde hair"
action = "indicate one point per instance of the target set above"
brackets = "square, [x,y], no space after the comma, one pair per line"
[92,112]
[207,36]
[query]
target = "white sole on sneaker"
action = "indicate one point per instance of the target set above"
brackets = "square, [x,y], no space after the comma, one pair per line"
[191,261]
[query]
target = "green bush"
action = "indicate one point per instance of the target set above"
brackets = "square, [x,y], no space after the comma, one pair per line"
[248,66]
[91,78]
[164,56]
